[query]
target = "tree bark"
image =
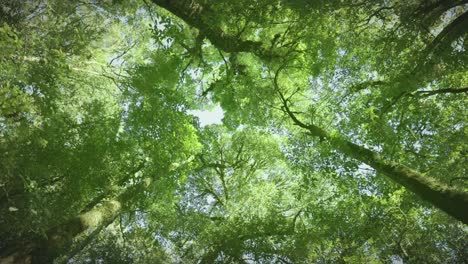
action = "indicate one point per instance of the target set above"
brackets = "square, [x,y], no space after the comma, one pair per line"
[453,201]
[431,11]
[60,238]
[71,237]
[198,16]
[451,32]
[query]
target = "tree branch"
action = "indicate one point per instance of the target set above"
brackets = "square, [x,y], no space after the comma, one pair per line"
[313,129]
[443,91]
[196,15]
[449,33]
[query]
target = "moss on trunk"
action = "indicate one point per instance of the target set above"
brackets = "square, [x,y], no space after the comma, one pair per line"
[452,201]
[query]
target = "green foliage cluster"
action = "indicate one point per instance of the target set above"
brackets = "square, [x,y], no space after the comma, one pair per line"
[343,138]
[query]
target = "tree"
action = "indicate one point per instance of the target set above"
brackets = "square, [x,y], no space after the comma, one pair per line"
[339,117]
[439,194]
[72,139]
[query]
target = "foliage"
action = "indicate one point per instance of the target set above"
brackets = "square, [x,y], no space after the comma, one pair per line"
[332,110]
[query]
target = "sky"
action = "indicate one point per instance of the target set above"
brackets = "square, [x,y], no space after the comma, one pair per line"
[208,117]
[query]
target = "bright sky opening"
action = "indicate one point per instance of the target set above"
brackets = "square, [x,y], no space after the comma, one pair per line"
[208,117]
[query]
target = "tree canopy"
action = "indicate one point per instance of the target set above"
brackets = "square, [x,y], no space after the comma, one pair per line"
[343,138]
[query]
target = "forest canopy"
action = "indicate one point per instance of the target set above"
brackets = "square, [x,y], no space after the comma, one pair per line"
[343,138]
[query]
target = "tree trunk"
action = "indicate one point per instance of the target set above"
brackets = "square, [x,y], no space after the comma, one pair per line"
[72,236]
[454,202]
[198,16]
[60,238]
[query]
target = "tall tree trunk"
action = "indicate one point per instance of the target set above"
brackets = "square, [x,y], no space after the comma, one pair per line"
[60,238]
[84,238]
[452,201]
[71,237]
